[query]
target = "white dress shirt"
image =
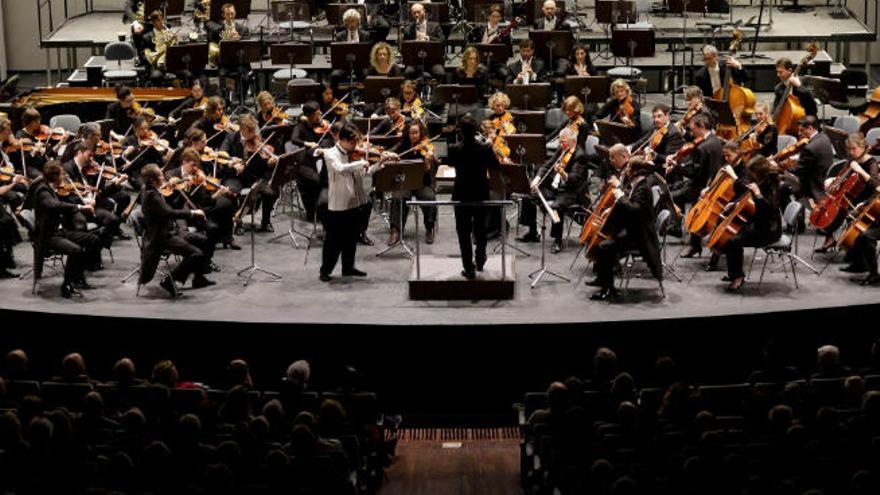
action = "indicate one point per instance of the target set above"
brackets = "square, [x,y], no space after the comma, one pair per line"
[345,184]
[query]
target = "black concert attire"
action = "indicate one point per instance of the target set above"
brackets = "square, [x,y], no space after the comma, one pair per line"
[9,235]
[471,161]
[863,253]
[142,155]
[256,174]
[428,191]
[130,13]
[553,24]
[703,79]
[387,127]
[478,79]
[394,70]
[106,204]
[435,33]
[189,103]
[161,235]
[312,174]
[52,234]
[215,137]
[697,171]
[634,216]
[122,118]
[813,163]
[571,69]
[768,141]
[804,96]
[610,111]
[560,194]
[764,228]
[33,162]
[669,145]
[219,211]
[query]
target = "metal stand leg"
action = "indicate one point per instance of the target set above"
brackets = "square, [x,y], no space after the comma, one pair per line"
[401,243]
[538,274]
[254,267]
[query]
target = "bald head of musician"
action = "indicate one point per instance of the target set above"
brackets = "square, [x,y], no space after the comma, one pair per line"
[808,127]
[549,10]
[417,10]
[660,115]
[619,155]
[700,126]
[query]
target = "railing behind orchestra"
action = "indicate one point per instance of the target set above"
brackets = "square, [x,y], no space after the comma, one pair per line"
[52,14]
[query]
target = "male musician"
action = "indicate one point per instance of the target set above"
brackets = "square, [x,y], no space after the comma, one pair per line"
[711,76]
[416,134]
[552,19]
[696,171]
[634,217]
[419,29]
[471,160]
[51,234]
[159,38]
[352,31]
[346,197]
[255,170]
[88,133]
[32,161]
[527,68]
[562,180]
[120,112]
[196,100]
[227,30]
[785,72]
[814,160]
[161,235]
[394,122]
[108,195]
[133,14]
[671,140]
[693,95]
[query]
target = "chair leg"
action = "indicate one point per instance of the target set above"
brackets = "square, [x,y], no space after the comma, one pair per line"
[752,264]
[763,269]
[576,256]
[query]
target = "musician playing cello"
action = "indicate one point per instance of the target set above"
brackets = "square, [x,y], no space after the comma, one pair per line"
[764,227]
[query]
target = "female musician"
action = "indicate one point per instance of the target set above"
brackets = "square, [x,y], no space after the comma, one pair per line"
[471,71]
[328,101]
[501,118]
[196,100]
[268,113]
[766,133]
[580,63]
[499,145]
[412,104]
[415,137]
[214,122]
[633,222]
[394,123]
[143,146]
[161,235]
[765,226]
[10,198]
[621,107]
[194,138]
[574,110]
[491,32]
[382,61]
[310,129]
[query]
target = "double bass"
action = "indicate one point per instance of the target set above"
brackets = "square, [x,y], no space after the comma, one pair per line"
[704,215]
[845,188]
[740,99]
[789,110]
[863,218]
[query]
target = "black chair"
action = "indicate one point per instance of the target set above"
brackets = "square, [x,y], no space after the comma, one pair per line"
[187,400]
[856,83]
[826,391]
[68,395]
[724,399]
[28,220]
[19,389]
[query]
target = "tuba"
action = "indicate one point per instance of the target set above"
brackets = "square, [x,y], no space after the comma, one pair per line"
[162,41]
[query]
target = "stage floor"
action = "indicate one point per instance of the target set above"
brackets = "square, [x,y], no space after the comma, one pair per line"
[382,298]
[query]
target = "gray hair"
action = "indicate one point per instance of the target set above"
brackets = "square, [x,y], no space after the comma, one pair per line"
[351,14]
[299,371]
[710,50]
[828,355]
[618,149]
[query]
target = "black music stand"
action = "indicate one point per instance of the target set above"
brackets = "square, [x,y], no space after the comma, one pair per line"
[493,53]
[422,53]
[828,90]
[528,121]
[679,6]
[250,202]
[187,59]
[187,118]
[590,89]
[721,112]
[527,149]
[399,177]
[292,54]
[632,42]
[292,15]
[238,54]
[434,11]
[242,9]
[838,140]
[335,11]
[507,180]
[558,44]
[285,170]
[106,126]
[455,95]
[615,12]
[525,96]
[352,58]
[611,133]
[297,94]
[378,88]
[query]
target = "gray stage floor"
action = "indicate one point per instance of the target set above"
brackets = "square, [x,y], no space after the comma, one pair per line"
[382,297]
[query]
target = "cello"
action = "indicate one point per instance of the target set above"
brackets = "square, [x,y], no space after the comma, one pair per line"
[789,110]
[840,194]
[733,222]
[870,118]
[704,215]
[601,204]
[740,99]
[863,218]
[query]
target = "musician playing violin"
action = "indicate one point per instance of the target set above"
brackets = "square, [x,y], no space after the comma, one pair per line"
[142,146]
[764,227]
[121,111]
[416,137]
[196,100]
[26,150]
[412,105]
[633,221]
[394,122]
[766,134]
[502,119]
[310,129]
[268,113]
[563,182]
[14,158]
[574,110]
[214,121]
[340,109]
[255,167]
[11,195]
[621,107]
[665,140]
[693,95]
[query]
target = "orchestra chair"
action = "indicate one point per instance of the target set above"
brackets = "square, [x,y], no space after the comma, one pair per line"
[848,123]
[554,118]
[784,141]
[117,51]
[855,82]
[28,220]
[630,257]
[785,249]
[136,218]
[871,139]
[68,122]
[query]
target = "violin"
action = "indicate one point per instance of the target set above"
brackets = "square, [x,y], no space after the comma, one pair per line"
[503,124]
[340,108]
[104,148]
[414,108]
[221,157]
[361,152]
[397,125]
[687,149]
[256,145]
[174,184]
[24,145]
[47,133]
[70,187]
[152,140]
[225,125]
[107,172]
[275,116]
[322,127]
[749,140]
[680,125]
[7,174]
[136,110]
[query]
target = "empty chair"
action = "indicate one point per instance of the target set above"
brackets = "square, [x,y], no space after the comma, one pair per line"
[119,51]
[724,399]
[68,122]
[848,123]
[68,395]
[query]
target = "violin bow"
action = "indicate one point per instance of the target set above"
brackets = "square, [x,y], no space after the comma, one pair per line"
[338,101]
[259,148]
[420,145]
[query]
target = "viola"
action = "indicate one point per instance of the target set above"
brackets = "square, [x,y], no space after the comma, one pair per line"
[221,157]
[174,184]
[626,110]
[414,108]
[225,125]
[688,116]
[47,133]
[25,145]
[687,149]
[783,158]
[341,108]
[136,110]
[113,147]
[503,124]
[363,152]
[275,116]
[152,140]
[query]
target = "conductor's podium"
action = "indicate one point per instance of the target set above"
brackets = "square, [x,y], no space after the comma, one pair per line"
[441,279]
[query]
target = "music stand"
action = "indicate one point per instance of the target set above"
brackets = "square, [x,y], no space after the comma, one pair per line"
[168,7]
[399,177]
[239,54]
[434,11]
[528,121]
[827,90]
[188,59]
[297,94]
[527,149]
[611,133]
[721,112]
[253,268]
[455,95]
[288,166]
[632,42]
[187,118]
[615,12]
[335,11]
[365,124]
[292,15]
[106,126]
[350,57]
[558,43]
[242,9]
[525,96]
[378,88]
[493,53]
[507,180]
[838,139]
[422,53]
[292,54]
[590,89]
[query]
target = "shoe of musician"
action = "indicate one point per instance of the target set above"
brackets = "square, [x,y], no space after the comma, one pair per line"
[68,290]
[214,267]
[266,227]
[239,229]
[325,278]
[394,238]
[725,278]
[122,236]
[693,253]
[470,275]
[852,269]
[232,245]
[354,272]
[200,281]
[82,284]
[872,279]
[735,285]
[824,248]
[557,247]
[4,273]
[365,240]
[167,283]
[712,266]
[593,283]
[480,264]
[429,236]
[530,237]
[605,294]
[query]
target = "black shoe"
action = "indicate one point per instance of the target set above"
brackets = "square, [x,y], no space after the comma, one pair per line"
[735,285]
[213,267]
[468,275]
[852,269]
[68,290]
[354,272]
[200,282]
[480,265]
[4,273]
[83,285]
[325,278]
[167,283]
[530,237]
[232,245]
[825,248]
[605,294]
[122,236]
[556,248]
[712,266]
[239,230]
[266,227]
[872,279]
[365,240]
[593,283]
[693,253]
[96,267]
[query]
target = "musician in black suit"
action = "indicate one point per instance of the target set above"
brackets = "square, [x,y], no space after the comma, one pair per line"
[764,227]
[416,134]
[31,161]
[527,68]
[633,220]
[696,171]
[419,29]
[552,20]
[351,31]
[120,111]
[254,170]
[785,73]
[471,160]
[711,76]
[161,235]
[237,29]
[671,141]
[814,160]
[51,235]
[562,184]
[9,236]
